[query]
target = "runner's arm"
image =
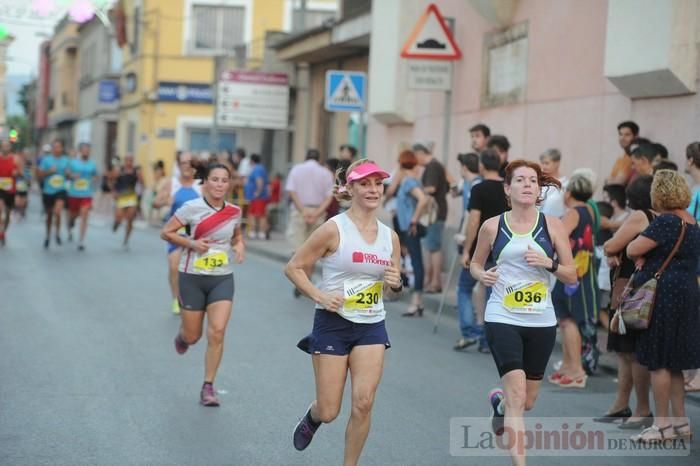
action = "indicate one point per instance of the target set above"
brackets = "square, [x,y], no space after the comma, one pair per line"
[163,195]
[631,227]
[395,266]
[323,241]
[566,271]
[483,247]
[470,236]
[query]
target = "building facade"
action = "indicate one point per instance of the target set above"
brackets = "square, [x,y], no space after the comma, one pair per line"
[554,73]
[4,44]
[63,81]
[100,68]
[169,59]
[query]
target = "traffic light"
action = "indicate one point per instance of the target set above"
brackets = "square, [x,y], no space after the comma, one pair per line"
[13,135]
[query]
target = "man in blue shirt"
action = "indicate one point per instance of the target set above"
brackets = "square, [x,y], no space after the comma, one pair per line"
[257,191]
[82,172]
[52,171]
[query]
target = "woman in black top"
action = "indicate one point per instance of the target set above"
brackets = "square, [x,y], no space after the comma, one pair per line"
[126,199]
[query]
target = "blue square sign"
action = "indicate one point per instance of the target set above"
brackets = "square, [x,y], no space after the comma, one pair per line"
[346,91]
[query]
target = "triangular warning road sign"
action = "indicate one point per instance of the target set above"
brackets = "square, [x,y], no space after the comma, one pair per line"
[431,38]
[345,93]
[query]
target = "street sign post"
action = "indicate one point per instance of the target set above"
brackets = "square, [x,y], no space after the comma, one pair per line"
[346,91]
[253,99]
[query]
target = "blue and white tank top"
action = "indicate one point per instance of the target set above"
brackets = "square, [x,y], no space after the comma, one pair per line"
[182,194]
[522,294]
[356,270]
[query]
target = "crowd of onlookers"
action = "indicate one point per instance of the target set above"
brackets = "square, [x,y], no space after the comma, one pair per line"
[622,236]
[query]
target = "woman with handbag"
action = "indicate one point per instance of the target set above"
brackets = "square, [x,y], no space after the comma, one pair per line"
[629,372]
[411,201]
[667,252]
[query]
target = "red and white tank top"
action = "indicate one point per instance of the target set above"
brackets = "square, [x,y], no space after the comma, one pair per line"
[217,226]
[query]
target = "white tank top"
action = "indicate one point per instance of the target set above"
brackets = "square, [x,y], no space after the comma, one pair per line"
[522,295]
[356,270]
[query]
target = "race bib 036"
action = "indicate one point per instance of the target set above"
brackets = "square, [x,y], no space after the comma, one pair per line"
[526,297]
[363,296]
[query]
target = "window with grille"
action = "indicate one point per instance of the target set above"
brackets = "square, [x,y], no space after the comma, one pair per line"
[216,28]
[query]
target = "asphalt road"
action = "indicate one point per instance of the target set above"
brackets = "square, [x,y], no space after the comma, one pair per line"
[88,373]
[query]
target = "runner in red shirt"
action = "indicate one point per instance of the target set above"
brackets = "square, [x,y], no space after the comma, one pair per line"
[10,167]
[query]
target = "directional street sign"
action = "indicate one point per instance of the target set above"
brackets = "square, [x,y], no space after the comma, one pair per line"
[346,91]
[431,38]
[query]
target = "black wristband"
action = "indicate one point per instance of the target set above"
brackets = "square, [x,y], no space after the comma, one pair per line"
[396,290]
[555,266]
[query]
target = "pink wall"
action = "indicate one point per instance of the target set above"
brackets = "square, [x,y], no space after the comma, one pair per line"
[569,104]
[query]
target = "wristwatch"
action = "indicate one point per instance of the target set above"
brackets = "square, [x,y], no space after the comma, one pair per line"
[397,289]
[555,266]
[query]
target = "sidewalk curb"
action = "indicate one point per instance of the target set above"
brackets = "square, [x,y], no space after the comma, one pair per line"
[432,303]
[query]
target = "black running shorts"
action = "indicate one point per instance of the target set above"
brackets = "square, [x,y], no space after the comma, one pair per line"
[199,291]
[8,198]
[526,348]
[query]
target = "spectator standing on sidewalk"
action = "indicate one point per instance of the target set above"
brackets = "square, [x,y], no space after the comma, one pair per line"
[310,188]
[643,157]
[487,199]
[258,192]
[480,137]
[553,203]
[576,305]
[410,202]
[692,155]
[347,153]
[630,374]
[501,145]
[469,166]
[622,170]
[436,185]
[670,344]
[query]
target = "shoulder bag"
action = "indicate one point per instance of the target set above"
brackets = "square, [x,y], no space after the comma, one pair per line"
[636,306]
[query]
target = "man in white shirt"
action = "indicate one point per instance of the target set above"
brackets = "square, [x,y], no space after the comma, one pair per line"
[310,188]
[553,203]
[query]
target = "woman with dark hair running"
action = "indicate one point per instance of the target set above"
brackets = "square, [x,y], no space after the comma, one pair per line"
[520,325]
[359,257]
[212,243]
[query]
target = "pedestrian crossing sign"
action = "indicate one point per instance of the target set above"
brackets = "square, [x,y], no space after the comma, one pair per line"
[346,91]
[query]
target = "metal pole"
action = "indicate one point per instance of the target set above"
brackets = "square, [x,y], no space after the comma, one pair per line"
[214,133]
[447,118]
[361,136]
[445,288]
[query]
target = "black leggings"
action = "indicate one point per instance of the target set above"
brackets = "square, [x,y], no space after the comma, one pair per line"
[526,348]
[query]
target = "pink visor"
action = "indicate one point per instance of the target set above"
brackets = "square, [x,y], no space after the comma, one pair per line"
[365,170]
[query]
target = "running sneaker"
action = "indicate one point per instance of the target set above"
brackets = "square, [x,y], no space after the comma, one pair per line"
[176,307]
[495,399]
[58,240]
[180,345]
[81,247]
[208,396]
[46,243]
[304,431]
